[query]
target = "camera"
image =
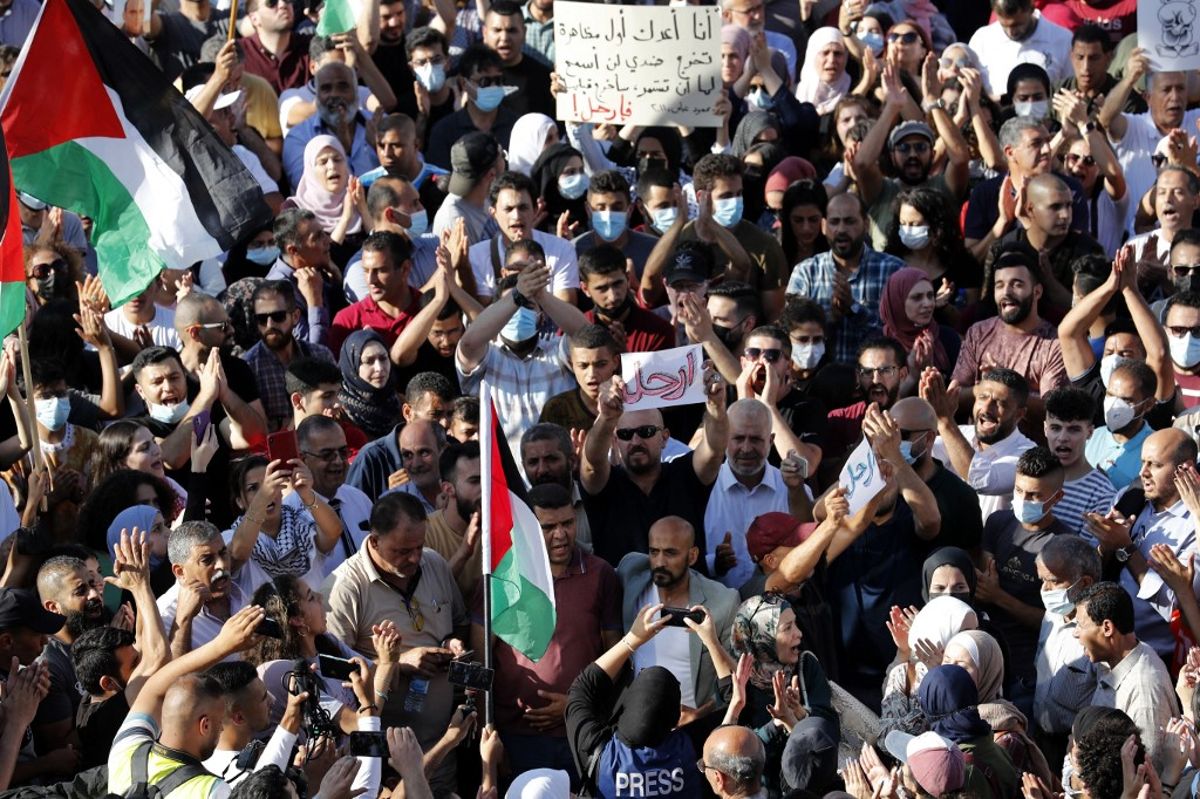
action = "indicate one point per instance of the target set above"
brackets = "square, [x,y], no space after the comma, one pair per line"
[471,675]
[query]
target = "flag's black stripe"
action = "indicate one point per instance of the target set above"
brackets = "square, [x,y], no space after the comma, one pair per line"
[512,474]
[226,196]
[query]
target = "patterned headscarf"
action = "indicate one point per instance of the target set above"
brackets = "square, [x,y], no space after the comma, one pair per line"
[290,551]
[754,628]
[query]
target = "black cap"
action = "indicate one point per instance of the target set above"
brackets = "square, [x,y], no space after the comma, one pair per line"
[20,607]
[470,159]
[692,264]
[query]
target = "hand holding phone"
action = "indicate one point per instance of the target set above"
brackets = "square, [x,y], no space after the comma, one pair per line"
[282,446]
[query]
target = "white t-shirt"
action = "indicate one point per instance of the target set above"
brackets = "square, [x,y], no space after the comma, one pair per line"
[671,649]
[265,181]
[161,327]
[1111,216]
[1134,151]
[560,257]
[1049,46]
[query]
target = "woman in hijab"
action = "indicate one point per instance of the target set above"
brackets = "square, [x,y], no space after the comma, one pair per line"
[757,163]
[950,700]
[149,520]
[531,135]
[329,190]
[562,184]
[368,392]
[764,628]
[785,173]
[823,78]
[735,49]
[907,310]
[948,570]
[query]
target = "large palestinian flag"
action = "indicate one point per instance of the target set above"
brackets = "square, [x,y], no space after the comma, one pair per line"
[93,126]
[514,552]
[12,261]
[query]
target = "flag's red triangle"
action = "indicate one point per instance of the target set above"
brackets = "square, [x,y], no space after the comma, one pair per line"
[57,94]
[501,510]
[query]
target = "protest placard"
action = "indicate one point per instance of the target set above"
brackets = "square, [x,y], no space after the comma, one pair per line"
[641,65]
[860,477]
[663,379]
[1169,31]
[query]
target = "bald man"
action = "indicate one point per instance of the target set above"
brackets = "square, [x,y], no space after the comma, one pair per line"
[406,459]
[1050,230]
[917,423]
[623,501]
[747,487]
[733,762]
[666,576]
[1151,512]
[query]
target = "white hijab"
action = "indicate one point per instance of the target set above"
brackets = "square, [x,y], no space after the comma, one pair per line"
[812,89]
[527,140]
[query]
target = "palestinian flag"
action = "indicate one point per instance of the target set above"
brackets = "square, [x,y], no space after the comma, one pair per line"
[12,261]
[94,127]
[514,552]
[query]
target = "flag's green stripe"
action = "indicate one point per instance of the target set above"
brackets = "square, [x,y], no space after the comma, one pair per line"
[12,306]
[72,177]
[336,17]
[522,615]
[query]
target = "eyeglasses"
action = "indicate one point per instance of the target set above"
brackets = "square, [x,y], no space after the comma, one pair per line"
[642,431]
[42,271]
[769,355]
[1075,158]
[414,613]
[1184,270]
[882,371]
[435,60]
[330,455]
[702,767]
[1180,332]
[278,317]
[1158,160]
[918,147]
[908,37]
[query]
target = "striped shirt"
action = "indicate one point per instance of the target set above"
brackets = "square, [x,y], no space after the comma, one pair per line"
[1092,493]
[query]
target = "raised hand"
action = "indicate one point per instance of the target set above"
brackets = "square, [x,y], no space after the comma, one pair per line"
[132,562]
[725,558]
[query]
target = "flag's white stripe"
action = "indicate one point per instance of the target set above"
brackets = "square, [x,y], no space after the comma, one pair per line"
[529,547]
[485,473]
[176,233]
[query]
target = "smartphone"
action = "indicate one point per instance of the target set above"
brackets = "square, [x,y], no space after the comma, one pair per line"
[368,744]
[336,668]
[282,446]
[200,424]
[679,614]
[269,628]
[470,675]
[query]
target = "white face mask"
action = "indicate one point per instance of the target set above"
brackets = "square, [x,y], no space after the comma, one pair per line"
[431,76]
[1185,350]
[1118,413]
[807,356]
[168,414]
[1108,364]
[1057,601]
[1035,109]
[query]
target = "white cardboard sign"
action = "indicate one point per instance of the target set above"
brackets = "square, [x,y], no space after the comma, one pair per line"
[860,477]
[1169,31]
[663,379]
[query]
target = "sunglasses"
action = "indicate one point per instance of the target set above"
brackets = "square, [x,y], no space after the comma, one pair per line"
[918,147]
[642,431]
[1075,158]
[278,317]
[946,63]
[908,37]
[484,83]
[1184,270]
[1180,332]
[42,271]
[1158,160]
[769,355]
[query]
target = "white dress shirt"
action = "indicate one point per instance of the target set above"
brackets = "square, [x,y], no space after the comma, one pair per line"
[731,508]
[993,472]
[206,626]
[1141,687]
[354,508]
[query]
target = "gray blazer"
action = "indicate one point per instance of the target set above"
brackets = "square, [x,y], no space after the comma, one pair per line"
[722,602]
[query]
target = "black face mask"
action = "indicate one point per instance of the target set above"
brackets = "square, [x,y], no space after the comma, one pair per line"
[729,336]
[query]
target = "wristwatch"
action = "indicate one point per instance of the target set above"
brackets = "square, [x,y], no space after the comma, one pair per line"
[1090,126]
[1123,554]
[938,103]
[521,300]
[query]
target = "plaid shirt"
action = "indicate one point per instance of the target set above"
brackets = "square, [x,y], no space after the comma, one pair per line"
[814,278]
[270,374]
[539,39]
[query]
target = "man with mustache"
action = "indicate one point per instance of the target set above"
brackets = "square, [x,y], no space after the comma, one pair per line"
[1017,339]
[338,116]
[276,315]
[207,592]
[604,279]
[882,367]
[1173,198]
[985,452]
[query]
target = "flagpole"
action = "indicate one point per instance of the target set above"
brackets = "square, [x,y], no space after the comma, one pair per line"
[232,21]
[27,373]
[486,436]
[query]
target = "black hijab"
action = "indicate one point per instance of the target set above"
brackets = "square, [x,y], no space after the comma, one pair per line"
[949,556]
[545,172]
[375,410]
[649,708]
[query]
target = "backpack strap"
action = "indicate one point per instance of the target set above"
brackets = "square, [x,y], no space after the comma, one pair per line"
[178,777]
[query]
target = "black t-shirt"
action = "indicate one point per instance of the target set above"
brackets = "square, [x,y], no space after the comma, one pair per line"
[98,722]
[958,504]
[620,515]
[805,415]
[392,60]
[533,82]
[428,360]
[983,208]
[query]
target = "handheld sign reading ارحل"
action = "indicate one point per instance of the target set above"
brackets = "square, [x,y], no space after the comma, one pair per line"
[663,379]
[860,477]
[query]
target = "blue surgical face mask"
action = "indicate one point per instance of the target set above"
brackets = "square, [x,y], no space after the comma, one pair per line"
[872,40]
[263,256]
[431,76]
[521,327]
[760,99]
[1185,350]
[609,225]
[1028,512]
[168,414]
[1058,600]
[572,187]
[664,218]
[906,452]
[914,237]
[52,412]
[728,212]
[488,98]
[418,223]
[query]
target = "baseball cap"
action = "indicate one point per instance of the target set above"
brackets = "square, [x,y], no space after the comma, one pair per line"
[222,101]
[470,158]
[30,202]
[20,607]
[911,127]
[936,763]
[689,265]
[775,529]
